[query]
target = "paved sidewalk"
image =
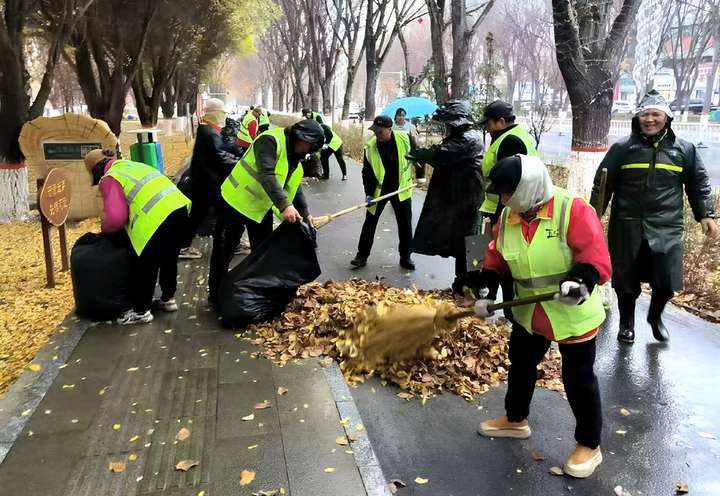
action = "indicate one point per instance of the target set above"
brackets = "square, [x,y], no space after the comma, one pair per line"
[125,392]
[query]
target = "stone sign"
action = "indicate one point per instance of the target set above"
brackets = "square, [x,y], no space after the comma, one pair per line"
[61,143]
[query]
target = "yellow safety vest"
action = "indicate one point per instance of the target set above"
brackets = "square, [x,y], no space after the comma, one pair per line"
[243,132]
[402,140]
[490,204]
[242,189]
[318,117]
[538,268]
[336,141]
[151,198]
[264,118]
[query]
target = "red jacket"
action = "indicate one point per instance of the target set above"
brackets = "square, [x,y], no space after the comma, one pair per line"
[586,239]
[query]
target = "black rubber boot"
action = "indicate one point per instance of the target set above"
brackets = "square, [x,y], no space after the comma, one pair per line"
[626,308]
[657,304]
[358,261]
[407,263]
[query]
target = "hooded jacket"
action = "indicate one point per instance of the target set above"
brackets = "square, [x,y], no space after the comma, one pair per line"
[646,177]
[455,193]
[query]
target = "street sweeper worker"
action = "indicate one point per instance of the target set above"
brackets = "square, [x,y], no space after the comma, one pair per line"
[143,202]
[549,241]
[265,180]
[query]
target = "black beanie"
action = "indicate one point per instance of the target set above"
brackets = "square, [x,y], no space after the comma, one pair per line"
[505,176]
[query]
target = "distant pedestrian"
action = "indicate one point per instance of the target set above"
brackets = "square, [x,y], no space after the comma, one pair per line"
[548,241]
[249,127]
[646,176]
[401,123]
[143,202]
[456,190]
[333,146]
[386,169]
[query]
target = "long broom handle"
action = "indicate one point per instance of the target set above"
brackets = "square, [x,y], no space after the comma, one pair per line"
[505,304]
[375,200]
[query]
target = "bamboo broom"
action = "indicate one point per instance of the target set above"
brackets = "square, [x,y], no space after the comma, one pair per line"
[396,332]
[326,219]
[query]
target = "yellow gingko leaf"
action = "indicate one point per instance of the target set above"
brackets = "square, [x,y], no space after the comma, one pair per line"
[329,470]
[35,367]
[116,427]
[248,417]
[134,438]
[201,493]
[252,447]
[246,477]
[68,386]
[420,480]
[132,457]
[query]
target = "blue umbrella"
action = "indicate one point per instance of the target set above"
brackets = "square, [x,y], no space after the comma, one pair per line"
[413,105]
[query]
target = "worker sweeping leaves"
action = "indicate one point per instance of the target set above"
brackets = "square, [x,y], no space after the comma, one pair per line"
[548,240]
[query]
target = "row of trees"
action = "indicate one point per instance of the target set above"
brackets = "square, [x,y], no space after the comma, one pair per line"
[157,48]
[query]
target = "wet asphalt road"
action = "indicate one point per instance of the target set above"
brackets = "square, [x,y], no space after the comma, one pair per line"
[671,392]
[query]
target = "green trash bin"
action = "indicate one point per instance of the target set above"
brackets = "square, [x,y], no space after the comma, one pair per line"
[146,150]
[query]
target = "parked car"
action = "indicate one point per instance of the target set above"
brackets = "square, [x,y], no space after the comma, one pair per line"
[694,106]
[622,107]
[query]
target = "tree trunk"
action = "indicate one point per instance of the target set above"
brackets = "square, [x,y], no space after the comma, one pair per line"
[168,102]
[710,84]
[461,56]
[373,72]
[437,23]
[349,86]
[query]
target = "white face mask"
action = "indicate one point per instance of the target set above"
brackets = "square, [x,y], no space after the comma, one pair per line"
[535,187]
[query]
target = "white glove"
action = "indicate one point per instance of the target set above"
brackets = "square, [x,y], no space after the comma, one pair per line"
[481,308]
[572,293]
[325,147]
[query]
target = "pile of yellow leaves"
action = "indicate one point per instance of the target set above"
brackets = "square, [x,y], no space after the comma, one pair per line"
[467,361]
[30,312]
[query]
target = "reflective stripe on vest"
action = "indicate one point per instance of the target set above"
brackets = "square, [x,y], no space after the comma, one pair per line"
[336,142]
[490,204]
[242,189]
[402,140]
[539,266]
[151,198]
[670,167]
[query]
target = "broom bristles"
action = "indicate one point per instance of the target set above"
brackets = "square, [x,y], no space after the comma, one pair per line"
[396,332]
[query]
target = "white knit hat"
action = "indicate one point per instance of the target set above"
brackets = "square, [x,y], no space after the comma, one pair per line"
[215,105]
[654,101]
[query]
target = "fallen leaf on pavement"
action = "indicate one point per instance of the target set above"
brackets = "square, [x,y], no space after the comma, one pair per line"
[246,477]
[681,488]
[621,432]
[556,471]
[252,447]
[186,465]
[249,417]
[117,467]
[262,406]
[405,396]
[132,369]
[538,457]
[132,457]
[183,434]
[116,427]
[624,412]
[35,367]
[282,391]
[134,438]
[329,470]
[420,480]
[342,440]
[707,435]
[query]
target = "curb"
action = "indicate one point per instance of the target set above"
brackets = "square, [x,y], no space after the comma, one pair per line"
[370,471]
[26,393]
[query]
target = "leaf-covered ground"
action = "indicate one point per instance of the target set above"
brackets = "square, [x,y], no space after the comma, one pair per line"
[29,311]
[467,361]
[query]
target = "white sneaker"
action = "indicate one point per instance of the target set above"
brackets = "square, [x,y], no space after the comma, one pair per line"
[190,253]
[583,462]
[166,306]
[131,317]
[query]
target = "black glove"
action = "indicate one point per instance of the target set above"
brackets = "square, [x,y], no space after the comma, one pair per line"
[584,274]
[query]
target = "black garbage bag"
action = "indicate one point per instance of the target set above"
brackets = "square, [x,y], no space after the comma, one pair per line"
[100,270]
[263,284]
